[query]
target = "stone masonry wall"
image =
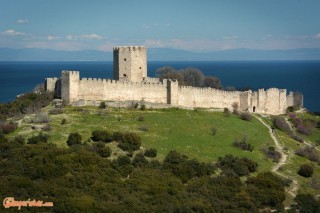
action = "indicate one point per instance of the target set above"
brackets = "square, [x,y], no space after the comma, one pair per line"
[130,62]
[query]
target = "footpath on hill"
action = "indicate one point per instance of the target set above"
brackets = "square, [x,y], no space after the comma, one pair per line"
[292,190]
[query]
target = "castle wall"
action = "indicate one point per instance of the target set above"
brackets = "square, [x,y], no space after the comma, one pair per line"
[245,99]
[206,97]
[105,89]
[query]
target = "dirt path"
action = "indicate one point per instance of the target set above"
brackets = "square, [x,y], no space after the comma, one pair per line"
[292,190]
[305,142]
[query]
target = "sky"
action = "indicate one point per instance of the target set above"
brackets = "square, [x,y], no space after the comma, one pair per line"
[193,25]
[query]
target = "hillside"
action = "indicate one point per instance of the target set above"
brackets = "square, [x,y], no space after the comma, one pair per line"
[199,135]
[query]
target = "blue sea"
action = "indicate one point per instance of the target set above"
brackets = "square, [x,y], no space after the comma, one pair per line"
[303,76]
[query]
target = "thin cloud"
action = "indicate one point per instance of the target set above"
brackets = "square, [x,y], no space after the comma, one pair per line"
[92,36]
[317,36]
[12,33]
[51,38]
[22,21]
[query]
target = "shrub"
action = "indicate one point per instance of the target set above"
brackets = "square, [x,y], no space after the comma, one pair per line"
[309,152]
[101,135]
[55,111]
[7,128]
[74,138]
[63,121]
[19,139]
[41,138]
[143,107]
[240,166]
[104,152]
[123,160]
[143,128]
[141,118]
[213,131]
[296,137]
[140,161]
[226,112]
[281,123]
[235,107]
[305,170]
[242,144]
[290,109]
[272,153]
[136,105]
[246,116]
[128,141]
[152,152]
[102,105]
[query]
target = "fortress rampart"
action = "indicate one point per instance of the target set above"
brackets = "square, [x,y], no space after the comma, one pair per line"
[132,84]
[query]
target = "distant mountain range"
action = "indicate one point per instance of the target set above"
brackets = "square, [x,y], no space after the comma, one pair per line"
[161,54]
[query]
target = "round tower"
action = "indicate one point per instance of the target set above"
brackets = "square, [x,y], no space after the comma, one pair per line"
[130,63]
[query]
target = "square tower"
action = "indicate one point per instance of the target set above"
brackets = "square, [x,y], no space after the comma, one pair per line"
[130,63]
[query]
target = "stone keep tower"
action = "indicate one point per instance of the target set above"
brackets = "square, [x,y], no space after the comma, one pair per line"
[130,63]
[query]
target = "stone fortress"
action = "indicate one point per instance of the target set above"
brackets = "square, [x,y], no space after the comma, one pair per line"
[131,84]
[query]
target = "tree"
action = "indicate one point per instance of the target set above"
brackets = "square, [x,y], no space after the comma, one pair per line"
[101,135]
[104,152]
[74,138]
[193,77]
[306,203]
[305,170]
[213,82]
[235,107]
[152,152]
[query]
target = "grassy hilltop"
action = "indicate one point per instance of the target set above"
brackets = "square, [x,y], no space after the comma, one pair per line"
[204,135]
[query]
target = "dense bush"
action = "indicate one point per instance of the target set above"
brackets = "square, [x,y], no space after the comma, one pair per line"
[309,152]
[272,153]
[128,141]
[152,152]
[102,135]
[240,166]
[140,161]
[226,112]
[143,107]
[184,168]
[235,107]
[41,138]
[104,152]
[242,144]
[7,128]
[281,123]
[305,170]
[102,105]
[267,189]
[246,116]
[24,104]
[63,121]
[306,203]
[74,139]
[19,139]
[79,180]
